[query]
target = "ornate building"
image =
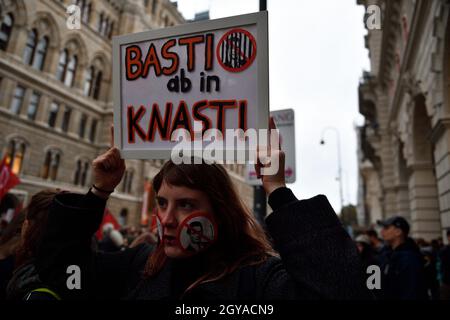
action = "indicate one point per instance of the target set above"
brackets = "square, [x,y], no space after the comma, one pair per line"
[55,94]
[405,141]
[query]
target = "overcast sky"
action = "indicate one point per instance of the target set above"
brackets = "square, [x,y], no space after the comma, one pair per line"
[319,81]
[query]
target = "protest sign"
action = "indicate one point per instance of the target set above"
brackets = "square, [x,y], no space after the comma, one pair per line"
[212,74]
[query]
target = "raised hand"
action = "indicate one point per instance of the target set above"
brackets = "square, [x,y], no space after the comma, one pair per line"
[108,169]
[276,159]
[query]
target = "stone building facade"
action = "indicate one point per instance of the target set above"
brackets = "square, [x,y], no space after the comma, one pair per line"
[56,94]
[405,141]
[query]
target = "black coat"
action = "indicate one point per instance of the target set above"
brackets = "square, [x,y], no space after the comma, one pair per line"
[318,258]
[403,272]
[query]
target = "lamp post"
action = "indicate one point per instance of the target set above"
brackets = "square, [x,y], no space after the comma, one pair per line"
[322,142]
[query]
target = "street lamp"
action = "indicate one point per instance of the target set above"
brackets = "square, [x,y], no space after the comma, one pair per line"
[322,142]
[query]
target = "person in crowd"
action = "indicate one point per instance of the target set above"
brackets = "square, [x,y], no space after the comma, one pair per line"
[9,242]
[112,239]
[431,270]
[444,258]
[376,243]
[366,252]
[402,265]
[314,258]
[26,280]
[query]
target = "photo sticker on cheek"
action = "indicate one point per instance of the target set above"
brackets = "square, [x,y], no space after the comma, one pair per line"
[197,232]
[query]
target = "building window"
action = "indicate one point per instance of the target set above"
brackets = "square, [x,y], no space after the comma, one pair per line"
[97,85]
[84,173]
[111,28]
[17,100]
[41,52]
[93,130]
[85,9]
[54,108]
[33,105]
[154,7]
[51,164]
[88,81]
[127,181]
[67,67]
[93,83]
[71,70]
[82,128]
[30,46]
[6,25]
[62,65]
[81,172]
[15,154]
[66,119]
[100,23]
[123,217]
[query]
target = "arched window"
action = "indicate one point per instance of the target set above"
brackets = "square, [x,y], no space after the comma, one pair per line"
[54,165]
[89,81]
[62,65]
[51,164]
[93,83]
[81,172]
[41,52]
[30,47]
[71,70]
[97,85]
[6,25]
[46,167]
[127,181]
[15,154]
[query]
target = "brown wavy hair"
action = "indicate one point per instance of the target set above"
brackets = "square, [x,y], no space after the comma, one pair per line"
[36,215]
[241,240]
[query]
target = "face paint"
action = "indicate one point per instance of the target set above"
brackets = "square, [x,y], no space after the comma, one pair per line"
[197,232]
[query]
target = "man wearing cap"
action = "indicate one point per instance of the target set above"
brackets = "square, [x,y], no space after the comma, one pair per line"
[403,265]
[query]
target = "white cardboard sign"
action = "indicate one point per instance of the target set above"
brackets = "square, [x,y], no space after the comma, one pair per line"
[285,122]
[213,72]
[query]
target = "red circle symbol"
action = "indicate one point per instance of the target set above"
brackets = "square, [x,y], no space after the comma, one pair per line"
[236,50]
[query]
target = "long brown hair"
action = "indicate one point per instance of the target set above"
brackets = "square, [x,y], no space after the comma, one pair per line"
[241,240]
[36,215]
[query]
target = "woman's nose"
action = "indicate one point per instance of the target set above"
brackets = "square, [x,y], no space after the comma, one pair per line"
[168,219]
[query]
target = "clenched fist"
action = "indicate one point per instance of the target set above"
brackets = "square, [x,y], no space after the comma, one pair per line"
[108,169]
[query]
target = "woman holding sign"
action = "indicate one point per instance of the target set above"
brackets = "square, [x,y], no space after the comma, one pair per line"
[210,248]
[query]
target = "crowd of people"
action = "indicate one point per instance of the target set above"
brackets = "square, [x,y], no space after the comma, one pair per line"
[410,268]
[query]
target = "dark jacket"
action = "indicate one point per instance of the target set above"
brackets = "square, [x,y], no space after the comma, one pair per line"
[318,258]
[403,273]
[444,256]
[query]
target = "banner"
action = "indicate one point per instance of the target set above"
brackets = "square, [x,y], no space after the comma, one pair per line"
[7,178]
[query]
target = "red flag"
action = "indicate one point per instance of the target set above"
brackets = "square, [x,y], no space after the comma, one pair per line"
[7,178]
[147,203]
[107,218]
